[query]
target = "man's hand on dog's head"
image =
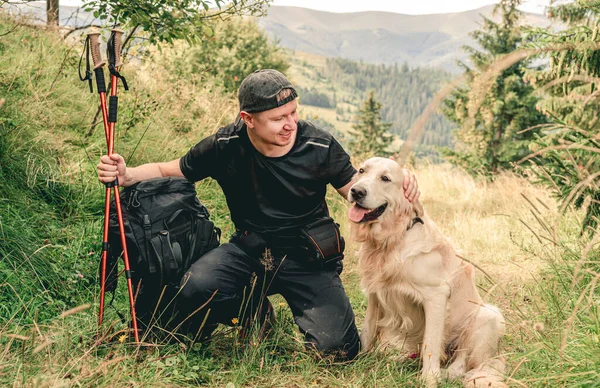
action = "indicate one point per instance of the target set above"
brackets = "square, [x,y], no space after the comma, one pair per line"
[411,187]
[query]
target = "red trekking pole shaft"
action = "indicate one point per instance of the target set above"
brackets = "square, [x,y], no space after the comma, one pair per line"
[114,53]
[101,87]
[109,116]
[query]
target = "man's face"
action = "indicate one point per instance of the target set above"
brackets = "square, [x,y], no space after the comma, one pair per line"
[275,127]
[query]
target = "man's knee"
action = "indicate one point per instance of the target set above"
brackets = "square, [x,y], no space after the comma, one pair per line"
[198,286]
[337,345]
[203,297]
[210,274]
[330,326]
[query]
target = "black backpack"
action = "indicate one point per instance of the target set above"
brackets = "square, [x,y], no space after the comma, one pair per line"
[166,229]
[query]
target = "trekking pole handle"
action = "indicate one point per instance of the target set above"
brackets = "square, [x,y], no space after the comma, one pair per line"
[95,47]
[117,35]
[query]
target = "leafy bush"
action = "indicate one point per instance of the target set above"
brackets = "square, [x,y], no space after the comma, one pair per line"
[236,48]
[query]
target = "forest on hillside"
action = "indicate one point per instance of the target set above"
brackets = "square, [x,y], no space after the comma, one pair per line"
[403,92]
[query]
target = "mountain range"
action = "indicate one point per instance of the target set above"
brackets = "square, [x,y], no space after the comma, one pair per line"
[433,40]
[382,37]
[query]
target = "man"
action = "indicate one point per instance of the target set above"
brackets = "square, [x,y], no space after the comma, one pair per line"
[274,170]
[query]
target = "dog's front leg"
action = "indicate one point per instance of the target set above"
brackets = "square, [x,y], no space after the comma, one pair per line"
[369,329]
[433,340]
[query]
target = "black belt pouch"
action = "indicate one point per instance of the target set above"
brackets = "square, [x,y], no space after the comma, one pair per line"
[324,241]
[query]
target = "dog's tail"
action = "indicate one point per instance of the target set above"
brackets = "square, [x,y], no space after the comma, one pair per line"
[489,374]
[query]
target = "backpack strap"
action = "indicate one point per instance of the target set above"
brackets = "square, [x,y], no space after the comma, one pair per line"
[147,238]
[191,244]
[168,254]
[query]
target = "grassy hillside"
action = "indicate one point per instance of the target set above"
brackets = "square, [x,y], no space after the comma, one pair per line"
[48,155]
[50,228]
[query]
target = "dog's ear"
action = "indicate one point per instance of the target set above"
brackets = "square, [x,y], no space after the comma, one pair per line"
[418,208]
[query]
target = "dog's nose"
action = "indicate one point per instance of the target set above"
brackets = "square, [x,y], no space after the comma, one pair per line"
[358,193]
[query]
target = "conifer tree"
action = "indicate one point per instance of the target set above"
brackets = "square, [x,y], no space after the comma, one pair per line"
[566,158]
[371,136]
[498,134]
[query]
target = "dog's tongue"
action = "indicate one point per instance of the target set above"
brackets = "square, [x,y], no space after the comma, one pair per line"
[356,213]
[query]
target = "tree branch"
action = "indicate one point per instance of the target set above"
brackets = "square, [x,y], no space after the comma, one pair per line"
[128,42]
[95,122]
[12,29]
[81,28]
[62,66]
[130,35]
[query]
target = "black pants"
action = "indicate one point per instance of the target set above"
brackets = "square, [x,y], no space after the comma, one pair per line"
[314,293]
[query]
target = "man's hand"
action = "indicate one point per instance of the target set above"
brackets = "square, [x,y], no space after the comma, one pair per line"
[411,188]
[111,167]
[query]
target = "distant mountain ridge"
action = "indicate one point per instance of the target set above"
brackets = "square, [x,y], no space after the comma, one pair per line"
[381,37]
[374,37]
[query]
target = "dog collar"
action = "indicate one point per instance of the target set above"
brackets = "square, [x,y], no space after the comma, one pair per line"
[414,221]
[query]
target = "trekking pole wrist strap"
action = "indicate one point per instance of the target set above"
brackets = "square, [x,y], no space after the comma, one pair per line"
[88,73]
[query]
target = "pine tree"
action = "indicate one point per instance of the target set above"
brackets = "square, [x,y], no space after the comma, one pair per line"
[499,133]
[566,158]
[371,136]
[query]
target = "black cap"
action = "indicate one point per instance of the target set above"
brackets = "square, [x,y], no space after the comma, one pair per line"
[258,91]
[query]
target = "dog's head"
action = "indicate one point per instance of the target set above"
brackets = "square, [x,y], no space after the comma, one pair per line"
[377,194]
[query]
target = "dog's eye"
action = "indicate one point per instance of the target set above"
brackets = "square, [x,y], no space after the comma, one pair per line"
[360,171]
[385,178]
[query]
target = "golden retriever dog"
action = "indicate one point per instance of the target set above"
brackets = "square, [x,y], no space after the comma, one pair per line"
[422,298]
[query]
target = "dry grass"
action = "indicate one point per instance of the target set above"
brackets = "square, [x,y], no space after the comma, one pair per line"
[489,222]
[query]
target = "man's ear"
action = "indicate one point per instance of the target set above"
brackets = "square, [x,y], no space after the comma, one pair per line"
[248,118]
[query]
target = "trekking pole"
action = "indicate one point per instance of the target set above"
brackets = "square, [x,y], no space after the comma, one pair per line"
[109,119]
[114,62]
[93,41]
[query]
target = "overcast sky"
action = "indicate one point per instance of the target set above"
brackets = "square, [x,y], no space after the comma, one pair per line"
[411,7]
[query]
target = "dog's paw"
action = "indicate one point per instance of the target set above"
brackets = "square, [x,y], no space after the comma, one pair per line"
[456,370]
[431,379]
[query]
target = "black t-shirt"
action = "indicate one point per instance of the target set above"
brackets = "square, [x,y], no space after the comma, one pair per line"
[271,194]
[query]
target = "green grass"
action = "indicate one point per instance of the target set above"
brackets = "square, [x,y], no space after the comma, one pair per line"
[561,319]
[543,275]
